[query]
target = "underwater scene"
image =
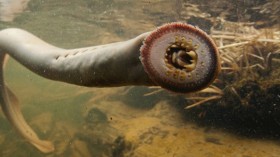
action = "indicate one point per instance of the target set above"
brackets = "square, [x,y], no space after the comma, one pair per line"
[235,114]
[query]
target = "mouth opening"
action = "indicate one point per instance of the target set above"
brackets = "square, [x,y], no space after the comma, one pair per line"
[181,54]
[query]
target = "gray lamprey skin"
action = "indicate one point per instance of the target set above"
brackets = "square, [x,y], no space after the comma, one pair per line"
[177,56]
[115,64]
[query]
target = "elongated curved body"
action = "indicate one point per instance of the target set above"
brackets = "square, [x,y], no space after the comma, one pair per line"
[116,64]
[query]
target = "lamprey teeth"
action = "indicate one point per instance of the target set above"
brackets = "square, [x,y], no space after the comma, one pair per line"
[180,62]
[192,54]
[180,58]
[181,52]
[189,67]
[174,56]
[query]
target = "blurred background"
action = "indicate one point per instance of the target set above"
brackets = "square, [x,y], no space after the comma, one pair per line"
[237,116]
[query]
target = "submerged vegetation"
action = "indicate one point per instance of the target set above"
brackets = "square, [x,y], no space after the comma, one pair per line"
[137,121]
[247,90]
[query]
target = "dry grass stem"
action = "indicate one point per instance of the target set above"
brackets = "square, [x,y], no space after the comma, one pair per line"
[203,101]
[153,92]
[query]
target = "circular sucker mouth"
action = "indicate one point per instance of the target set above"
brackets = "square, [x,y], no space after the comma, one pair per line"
[180,57]
[181,54]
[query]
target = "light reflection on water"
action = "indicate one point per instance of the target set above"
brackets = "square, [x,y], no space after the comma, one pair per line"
[59,112]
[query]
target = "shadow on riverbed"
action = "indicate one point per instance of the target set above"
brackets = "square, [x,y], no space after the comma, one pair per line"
[248,121]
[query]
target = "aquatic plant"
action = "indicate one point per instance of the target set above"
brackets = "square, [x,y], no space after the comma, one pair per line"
[248,56]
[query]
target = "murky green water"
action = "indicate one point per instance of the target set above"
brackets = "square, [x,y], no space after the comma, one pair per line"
[150,126]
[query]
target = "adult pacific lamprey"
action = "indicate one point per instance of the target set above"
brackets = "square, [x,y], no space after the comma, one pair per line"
[177,56]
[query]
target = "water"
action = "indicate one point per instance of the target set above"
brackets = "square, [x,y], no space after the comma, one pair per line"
[122,121]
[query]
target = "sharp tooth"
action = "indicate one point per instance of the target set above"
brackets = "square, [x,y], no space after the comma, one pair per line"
[180,62]
[169,66]
[189,67]
[181,52]
[176,39]
[174,56]
[192,54]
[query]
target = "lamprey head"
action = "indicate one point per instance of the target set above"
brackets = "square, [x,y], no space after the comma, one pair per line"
[180,58]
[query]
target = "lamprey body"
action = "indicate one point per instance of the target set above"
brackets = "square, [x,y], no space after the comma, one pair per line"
[176,56]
